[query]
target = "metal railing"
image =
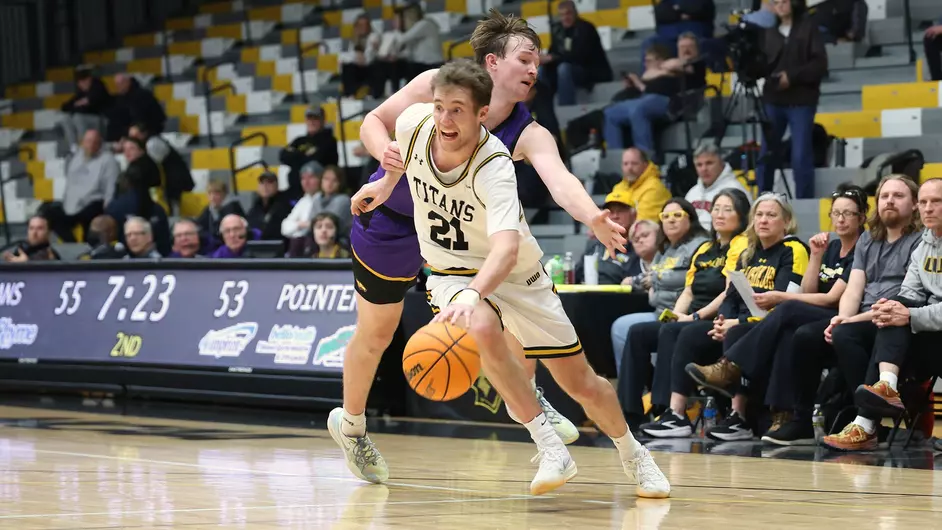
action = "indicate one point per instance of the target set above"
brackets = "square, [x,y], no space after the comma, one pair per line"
[16,150]
[232,157]
[302,49]
[208,91]
[908,28]
[247,24]
[168,72]
[343,136]
[3,199]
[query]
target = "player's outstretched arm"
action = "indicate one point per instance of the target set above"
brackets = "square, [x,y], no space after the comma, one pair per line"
[378,125]
[539,147]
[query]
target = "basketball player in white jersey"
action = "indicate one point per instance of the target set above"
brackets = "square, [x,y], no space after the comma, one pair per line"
[470,230]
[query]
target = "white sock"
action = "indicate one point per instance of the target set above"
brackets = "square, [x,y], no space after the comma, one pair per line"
[890,378]
[353,425]
[627,445]
[541,430]
[865,423]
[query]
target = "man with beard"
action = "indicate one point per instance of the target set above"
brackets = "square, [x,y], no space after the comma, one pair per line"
[881,259]
[909,327]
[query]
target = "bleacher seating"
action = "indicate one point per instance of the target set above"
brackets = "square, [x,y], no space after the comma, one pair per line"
[877,103]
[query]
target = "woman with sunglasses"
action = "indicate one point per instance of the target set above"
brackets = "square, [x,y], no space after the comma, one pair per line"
[773,260]
[680,235]
[808,311]
[704,289]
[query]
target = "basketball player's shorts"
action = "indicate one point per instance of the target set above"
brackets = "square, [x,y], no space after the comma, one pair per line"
[386,256]
[527,305]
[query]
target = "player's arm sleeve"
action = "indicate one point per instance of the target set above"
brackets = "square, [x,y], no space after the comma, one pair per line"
[792,267]
[495,186]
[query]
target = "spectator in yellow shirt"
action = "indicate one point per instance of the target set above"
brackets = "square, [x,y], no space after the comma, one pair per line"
[641,184]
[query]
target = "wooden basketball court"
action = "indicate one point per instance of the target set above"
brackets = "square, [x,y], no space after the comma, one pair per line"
[81,470]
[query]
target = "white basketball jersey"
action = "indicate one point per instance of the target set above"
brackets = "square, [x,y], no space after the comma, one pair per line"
[456,212]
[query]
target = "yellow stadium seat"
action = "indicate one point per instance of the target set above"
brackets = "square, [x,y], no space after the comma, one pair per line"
[140,41]
[42,188]
[216,8]
[270,13]
[250,55]
[930,171]
[900,96]
[62,75]
[180,23]
[56,101]
[210,158]
[456,6]
[18,120]
[247,180]
[863,124]
[27,90]
[537,8]
[192,204]
[616,18]
[227,31]
[277,134]
[236,104]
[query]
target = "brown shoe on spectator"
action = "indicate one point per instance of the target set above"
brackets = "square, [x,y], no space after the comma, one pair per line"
[879,398]
[722,376]
[852,438]
[778,419]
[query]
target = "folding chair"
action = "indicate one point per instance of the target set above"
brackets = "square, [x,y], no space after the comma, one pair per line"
[912,420]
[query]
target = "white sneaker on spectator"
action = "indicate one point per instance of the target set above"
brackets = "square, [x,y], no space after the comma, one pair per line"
[363,459]
[652,484]
[567,432]
[556,468]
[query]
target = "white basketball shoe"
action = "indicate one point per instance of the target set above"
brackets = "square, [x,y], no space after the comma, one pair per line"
[363,458]
[652,484]
[567,432]
[556,467]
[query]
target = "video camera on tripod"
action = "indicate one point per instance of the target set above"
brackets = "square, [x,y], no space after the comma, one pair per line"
[742,44]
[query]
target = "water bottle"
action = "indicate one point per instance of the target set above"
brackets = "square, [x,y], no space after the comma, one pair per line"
[709,416]
[569,270]
[817,420]
[555,267]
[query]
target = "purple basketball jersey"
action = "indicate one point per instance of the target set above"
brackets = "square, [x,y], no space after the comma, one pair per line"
[390,247]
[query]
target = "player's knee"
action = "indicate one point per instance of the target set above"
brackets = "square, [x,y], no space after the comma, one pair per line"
[485,328]
[375,341]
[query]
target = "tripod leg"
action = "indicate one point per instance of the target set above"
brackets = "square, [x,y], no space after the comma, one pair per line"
[771,154]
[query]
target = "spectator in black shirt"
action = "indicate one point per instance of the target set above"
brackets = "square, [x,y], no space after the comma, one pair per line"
[269,208]
[103,238]
[36,247]
[657,86]
[318,145]
[795,64]
[86,109]
[133,104]
[575,58]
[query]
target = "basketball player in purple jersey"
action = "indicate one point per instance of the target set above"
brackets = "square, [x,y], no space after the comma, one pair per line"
[387,259]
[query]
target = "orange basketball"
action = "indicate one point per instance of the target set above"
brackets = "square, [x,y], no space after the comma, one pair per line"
[441,361]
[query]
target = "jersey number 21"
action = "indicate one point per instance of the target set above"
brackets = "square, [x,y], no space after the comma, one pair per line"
[440,229]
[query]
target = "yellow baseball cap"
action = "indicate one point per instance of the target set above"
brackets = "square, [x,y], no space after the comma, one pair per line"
[620,198]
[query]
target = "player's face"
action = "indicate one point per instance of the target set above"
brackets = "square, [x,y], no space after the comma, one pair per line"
[515,72]
[457,123]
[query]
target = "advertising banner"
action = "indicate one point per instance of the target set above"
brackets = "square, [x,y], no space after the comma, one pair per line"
[237,319]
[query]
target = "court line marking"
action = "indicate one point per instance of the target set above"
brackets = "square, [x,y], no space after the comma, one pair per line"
[274,506]
[262,472]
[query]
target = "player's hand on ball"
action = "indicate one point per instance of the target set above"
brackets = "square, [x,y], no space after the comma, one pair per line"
[608,232]
[392,159]
[372,194]
[456,314]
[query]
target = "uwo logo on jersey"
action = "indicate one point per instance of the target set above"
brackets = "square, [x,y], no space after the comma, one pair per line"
[330,349]
[485,395]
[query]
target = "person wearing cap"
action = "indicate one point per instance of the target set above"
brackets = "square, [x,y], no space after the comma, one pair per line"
[269,207]
[86,108]
[318,145]
[613,269]
[641,184]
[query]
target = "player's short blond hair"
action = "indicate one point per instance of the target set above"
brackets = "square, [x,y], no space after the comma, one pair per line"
[468,75]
